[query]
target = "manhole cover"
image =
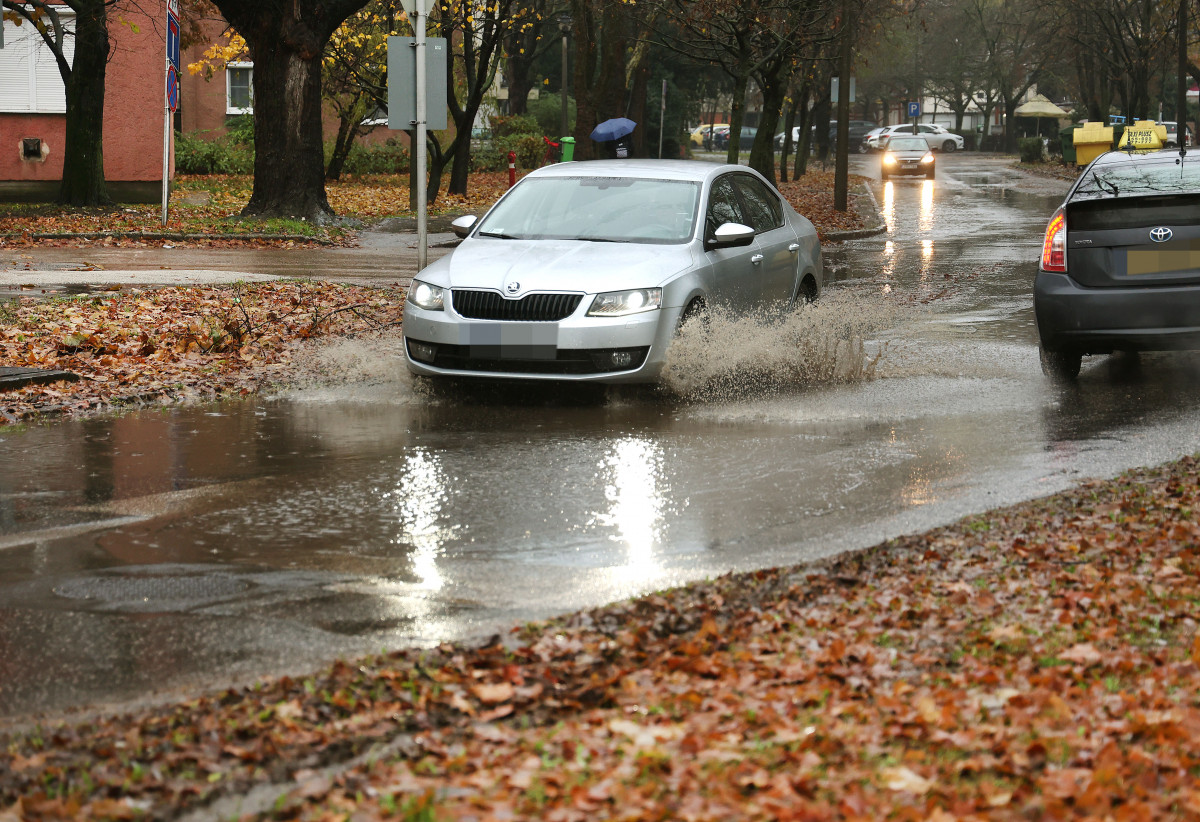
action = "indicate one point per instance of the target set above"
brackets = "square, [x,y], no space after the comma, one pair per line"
[152,588]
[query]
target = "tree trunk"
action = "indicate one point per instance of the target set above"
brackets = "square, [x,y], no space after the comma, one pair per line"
[349,128]
[288,153]
[286,41]
[801,166]
[737,113]
[83,149]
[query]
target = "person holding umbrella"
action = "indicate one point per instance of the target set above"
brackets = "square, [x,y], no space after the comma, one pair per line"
[614,134]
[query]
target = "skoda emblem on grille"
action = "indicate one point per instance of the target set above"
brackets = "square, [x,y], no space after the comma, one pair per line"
[513,288]
[1160,234]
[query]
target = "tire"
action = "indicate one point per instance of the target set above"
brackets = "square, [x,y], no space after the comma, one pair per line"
[949,146]
[694,312]
[1060,365]
[807,293]
[929,174]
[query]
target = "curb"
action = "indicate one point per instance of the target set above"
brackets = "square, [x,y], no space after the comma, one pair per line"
[859,233]
[139,235]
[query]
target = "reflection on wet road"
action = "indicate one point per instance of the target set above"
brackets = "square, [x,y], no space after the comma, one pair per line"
[164,549]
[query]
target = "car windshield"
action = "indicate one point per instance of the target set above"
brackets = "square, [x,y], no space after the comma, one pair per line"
[1134,179]
[599,209]
[907,144]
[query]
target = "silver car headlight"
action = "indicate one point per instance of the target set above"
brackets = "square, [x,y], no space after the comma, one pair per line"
[620,303]
[430,297]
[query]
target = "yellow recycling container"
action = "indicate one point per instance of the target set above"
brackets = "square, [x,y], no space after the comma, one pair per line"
[1091,140]
[1144,135]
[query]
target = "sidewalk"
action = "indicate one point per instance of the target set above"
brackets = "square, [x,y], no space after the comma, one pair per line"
[382,257]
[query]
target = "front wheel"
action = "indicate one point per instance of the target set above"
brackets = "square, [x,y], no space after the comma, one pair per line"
[1060,365]
[949,146]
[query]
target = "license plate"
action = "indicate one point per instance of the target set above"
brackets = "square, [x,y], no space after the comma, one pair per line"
[511,341]
[908,165]
[1163,259]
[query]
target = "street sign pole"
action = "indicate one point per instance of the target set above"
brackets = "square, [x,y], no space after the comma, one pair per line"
[166,139]
[421,6]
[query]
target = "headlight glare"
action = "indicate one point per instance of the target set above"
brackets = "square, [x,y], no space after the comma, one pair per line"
[889,159]
[621,303]
[426,296]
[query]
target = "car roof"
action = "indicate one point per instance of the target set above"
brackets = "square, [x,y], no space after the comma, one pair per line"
[691,170]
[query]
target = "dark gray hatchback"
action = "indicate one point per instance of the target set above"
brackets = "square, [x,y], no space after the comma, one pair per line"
[1120,266]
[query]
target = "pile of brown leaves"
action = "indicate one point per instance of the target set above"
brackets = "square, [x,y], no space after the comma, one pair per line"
[171,343]
[1036,663]
[812,196]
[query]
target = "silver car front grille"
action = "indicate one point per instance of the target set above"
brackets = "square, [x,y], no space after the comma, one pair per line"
[488,305]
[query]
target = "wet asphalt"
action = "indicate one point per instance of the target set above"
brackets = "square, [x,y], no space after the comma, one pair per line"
[156,553]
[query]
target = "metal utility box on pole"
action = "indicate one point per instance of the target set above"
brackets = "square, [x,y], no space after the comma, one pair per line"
[409,57]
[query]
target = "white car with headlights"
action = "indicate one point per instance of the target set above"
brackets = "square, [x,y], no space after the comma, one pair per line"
[584,271]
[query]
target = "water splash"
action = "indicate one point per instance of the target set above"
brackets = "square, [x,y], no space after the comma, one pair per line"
[725,358]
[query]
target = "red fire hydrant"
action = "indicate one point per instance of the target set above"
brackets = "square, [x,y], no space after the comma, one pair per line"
[512,169]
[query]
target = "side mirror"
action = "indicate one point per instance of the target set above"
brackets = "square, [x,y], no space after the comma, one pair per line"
[463,225]
[730,235]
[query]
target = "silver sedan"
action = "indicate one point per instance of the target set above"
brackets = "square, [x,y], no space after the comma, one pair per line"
[584,271]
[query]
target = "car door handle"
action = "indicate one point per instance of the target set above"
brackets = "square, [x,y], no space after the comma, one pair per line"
[794,247]
[756,259]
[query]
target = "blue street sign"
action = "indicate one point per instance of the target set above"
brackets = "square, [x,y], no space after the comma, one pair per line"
[173,40]
[172,89]
[914,109]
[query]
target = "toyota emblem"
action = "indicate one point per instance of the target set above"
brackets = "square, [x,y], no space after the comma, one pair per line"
[514,287]
[1160,234]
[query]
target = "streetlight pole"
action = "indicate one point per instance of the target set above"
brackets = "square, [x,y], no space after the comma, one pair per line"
[564,25]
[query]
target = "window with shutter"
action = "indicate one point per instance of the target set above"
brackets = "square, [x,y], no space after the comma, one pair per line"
[29,78]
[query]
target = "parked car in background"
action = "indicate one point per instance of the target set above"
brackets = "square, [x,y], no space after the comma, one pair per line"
[906,154]
[858,129]
[584,271]
[745,142]
[936,137]
[705,132]
[870,140]
[1120,270]
[1172,140]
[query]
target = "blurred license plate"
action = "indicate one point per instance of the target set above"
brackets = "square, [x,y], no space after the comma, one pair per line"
[908,165]
[512,341]
[1163,259]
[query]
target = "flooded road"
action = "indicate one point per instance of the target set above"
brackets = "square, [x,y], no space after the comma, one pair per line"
[162,550]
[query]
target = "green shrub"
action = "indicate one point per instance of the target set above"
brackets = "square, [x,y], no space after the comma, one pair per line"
[515,125]
[390,157]
[1032,150]
[240,129]
[195,154]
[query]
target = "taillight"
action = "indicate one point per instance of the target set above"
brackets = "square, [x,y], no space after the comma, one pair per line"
[1054,249]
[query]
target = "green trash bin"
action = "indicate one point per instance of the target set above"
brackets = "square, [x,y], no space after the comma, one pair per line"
[568,149]
[1066,139]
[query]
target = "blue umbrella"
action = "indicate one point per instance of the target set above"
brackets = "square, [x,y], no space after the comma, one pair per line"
[613,129]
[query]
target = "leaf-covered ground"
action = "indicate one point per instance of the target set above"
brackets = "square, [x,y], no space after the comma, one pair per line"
[176,344]
[1038,662]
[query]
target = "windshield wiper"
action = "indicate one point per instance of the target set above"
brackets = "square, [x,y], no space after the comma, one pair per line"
[499,235]
[1105,184]
[601,240]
